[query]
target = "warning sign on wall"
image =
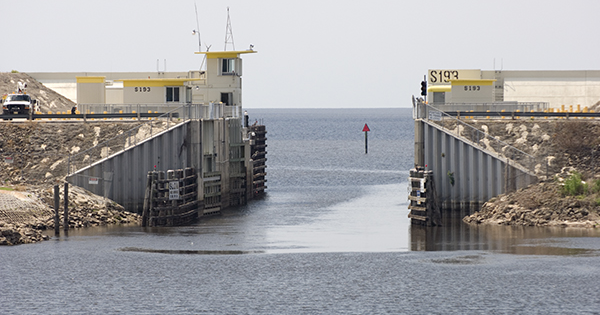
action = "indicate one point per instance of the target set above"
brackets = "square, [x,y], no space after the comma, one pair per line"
[174,190]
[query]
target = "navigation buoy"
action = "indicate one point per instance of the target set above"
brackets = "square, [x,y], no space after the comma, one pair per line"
[366,130]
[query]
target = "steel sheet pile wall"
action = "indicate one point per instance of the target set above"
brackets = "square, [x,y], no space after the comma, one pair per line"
[122,176]
[467,175]
[215,149]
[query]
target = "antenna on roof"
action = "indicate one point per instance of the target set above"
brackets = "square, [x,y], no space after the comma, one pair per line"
[197,31]
[228,32]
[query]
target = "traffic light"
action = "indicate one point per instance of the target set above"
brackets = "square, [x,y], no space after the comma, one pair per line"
[424,88]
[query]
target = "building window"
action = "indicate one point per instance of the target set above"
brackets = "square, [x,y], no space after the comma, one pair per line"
[227,66]
[227,98]
[172,94]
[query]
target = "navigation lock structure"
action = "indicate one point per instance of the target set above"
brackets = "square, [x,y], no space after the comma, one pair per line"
[190,130]
[459,166]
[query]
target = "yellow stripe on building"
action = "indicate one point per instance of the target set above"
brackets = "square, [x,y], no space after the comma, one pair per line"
[90,79]
[225,54]
[439,88]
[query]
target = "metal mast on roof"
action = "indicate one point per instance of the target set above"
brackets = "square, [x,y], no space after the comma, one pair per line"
[229,32]
[197,30]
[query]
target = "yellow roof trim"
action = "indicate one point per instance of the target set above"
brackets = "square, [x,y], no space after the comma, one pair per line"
[473,82]
[90,79]
[156,82]
[225,54]
[439,88]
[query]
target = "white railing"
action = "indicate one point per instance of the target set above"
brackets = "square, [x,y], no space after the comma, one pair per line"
[185,111]
[478,138]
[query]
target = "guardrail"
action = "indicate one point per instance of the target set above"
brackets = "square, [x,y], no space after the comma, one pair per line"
[85,117]
[518,114]
[102,111]
[213,110]
[496,106]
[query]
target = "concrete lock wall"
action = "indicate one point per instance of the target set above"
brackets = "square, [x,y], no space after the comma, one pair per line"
[466,175]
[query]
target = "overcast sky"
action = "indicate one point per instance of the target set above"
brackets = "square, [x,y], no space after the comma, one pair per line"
[360,54]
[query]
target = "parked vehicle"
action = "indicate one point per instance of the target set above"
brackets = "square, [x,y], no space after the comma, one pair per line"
[17,103]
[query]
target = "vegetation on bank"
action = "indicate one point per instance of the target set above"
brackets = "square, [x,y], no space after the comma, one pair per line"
[577,187]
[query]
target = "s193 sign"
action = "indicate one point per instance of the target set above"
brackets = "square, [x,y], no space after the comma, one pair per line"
[142,89]
[438,76]
[444,76]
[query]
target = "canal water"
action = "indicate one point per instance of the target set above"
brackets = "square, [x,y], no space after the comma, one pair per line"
[330,236]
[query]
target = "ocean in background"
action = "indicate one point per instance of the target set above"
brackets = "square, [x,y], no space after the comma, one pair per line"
[330,236]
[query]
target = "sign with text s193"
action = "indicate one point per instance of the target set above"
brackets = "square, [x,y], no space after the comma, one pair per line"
[444,76]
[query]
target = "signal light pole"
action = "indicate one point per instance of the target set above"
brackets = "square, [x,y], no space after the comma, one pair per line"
[424,88]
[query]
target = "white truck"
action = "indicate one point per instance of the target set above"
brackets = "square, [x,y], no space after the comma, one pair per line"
[17,103]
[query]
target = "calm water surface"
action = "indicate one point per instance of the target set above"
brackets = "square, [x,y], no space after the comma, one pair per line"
[331,236]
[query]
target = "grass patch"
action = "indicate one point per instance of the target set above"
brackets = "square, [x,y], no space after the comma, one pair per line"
[6,188]
[573,185]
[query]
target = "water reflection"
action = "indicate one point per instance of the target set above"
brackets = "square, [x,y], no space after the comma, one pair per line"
[522,240]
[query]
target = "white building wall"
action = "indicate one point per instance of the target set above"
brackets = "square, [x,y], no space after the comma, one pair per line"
[472,93]
[114,93]
[91,93]
[66,89]
[555,87]
[144,94]
[65,83]
[218,83]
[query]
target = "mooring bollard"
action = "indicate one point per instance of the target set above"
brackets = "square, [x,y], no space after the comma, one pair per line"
[56,206]
[66,213]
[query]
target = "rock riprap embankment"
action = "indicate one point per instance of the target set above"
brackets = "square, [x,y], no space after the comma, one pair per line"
[23,216]
[538,205]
